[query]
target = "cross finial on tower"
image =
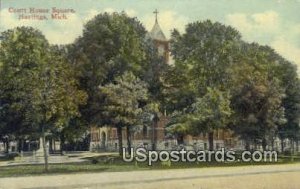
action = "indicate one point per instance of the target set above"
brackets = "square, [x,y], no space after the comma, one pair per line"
[156,13]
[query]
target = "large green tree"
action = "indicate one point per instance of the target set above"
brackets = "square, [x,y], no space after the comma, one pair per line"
[37,83]
[208,114]
[203,57]
[111,44]
[207,50]
[257,94]
[291,102]
[122,105]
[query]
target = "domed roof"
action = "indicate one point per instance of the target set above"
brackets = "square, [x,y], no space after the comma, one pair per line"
[156,32]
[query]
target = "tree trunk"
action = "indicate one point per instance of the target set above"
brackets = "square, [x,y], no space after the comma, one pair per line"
[22,144]
[211,140]
[264,144]
[273,144]
[7,145]
[119,133]
[247,144]
[62,143]
[297,145]
[128,139]
[292,146]
[45,149]
[180,139]
[19,145]
[154,131]
[50,146]
[54,146]
[282,145]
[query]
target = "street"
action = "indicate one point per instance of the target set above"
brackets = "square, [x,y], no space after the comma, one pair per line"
[242,177]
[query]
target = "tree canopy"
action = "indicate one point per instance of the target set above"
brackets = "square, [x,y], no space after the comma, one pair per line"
[38,88]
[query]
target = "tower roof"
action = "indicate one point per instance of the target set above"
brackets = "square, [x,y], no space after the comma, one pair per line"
[156,32]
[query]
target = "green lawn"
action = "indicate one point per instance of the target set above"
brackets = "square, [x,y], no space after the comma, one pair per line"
[27,170]
[99,164]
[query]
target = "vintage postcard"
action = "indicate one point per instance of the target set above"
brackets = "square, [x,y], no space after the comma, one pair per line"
[150,94]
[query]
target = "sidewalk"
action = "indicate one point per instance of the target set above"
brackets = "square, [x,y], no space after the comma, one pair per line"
[243,177]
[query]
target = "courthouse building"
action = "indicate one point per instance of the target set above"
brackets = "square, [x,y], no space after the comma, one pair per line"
[105,138]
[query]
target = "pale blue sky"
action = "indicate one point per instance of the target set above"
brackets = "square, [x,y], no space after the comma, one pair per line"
[271,22]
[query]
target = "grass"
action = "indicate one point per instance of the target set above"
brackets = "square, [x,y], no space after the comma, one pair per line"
[29,170]
[99,164]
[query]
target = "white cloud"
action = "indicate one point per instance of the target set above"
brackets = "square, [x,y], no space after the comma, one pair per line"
[266,28]
[240,21]
[66,30]
[131,12]
[287,50]
[109,10]
[266,22]
[90,14]
[167,19]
